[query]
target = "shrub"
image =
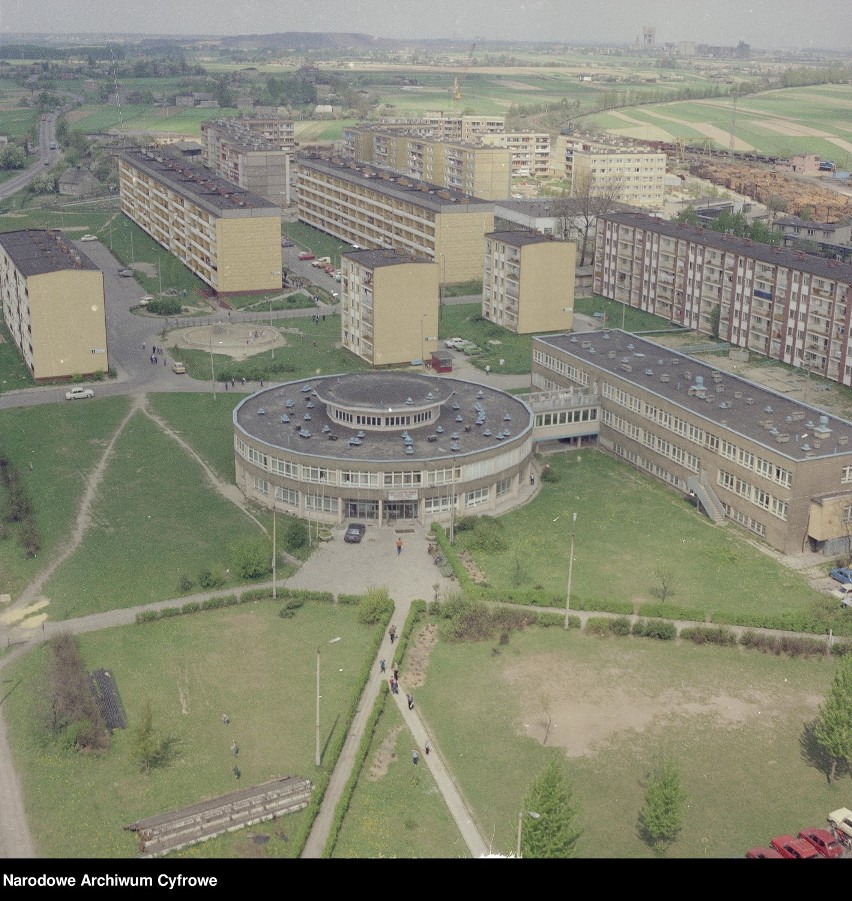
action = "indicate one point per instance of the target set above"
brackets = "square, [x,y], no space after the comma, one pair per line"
[256,594]
[651,628]
[548,474]
[292,533]
[147,616]
[252,559]
[620,626]
[212,603]
[352,599]
[375,605]
[164,306]
[185,583]
[709,635]
[208,579]
[191,607]
[597,625]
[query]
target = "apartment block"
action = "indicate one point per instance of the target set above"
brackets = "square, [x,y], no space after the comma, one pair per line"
[742,453]
[254,153]
[446,128]
[229,237]
[528,284]
[53,304]
[484,172]
[372,208]
[530,152]
[789,306]
[388,306]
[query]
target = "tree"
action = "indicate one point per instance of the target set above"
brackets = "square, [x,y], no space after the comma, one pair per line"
[661,817]
[143,740]
[588,201]
[833,728]
[253,559]
[776,204]
[557,829]
[687,216]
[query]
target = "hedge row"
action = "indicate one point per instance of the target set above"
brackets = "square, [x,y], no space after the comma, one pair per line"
[294,596]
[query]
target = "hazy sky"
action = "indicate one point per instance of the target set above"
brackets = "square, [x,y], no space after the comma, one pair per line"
[769,24]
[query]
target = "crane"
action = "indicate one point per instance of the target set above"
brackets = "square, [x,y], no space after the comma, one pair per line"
[458,82]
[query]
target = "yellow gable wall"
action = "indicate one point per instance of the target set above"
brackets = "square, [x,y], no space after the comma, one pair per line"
[249,253]
[405,312]
[68,323]
[547,287]
[460,244]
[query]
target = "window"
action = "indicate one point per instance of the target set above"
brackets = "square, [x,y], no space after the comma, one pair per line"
[287,495]
[503,487]
[475,498]
[261,486]
[846,477]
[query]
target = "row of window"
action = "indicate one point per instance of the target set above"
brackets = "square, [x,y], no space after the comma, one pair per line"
[563,417]
[328,504]
[752,493]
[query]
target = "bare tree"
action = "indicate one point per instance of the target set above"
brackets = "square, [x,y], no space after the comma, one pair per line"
[547,715]
[664,586]
[579,211]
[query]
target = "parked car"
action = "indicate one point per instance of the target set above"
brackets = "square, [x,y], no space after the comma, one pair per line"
[453,342]
[178,367]
[840,821]
[286,242]
[125,273]
[842,574]
[825,843]
[354,532]
[79,393]
[760,853]
[305,255]
[794,848]
[844,595]
[89,238]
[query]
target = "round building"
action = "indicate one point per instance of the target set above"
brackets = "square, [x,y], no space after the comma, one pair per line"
[381,446]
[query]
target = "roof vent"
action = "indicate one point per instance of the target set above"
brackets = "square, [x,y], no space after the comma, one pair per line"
[649,371]
[767,409]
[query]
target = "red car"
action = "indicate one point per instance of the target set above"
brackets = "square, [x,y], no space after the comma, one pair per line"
[306,255]
[760,853]
[825,843]
[794,848]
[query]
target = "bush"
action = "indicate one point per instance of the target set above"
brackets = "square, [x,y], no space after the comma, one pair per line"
[191,607]
[292,533]
[709,635]
[548,474]
[252,559]
[208,579]
[351,599]
[212,603]
[650,628]
[597,625]
[147,616]
[185,583]
[164,306]
[375,605]
[620,626]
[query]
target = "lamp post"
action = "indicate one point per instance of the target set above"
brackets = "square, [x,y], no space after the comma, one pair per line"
[274,551]
[274,272]
[529,813]
[212,372]
[318,757]
[570,571]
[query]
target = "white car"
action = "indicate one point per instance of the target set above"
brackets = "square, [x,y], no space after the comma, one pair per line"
[843,594]
[79,393]
[453,343]
[89,238]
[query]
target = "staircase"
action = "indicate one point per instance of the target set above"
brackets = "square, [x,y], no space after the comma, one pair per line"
[706,498]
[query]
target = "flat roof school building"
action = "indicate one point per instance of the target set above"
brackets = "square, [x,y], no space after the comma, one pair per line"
[380,446]
[52,296]
[778,467]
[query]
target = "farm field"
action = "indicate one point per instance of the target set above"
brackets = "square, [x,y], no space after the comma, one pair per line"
[778,123]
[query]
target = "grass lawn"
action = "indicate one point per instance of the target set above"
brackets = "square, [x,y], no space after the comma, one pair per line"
[246,661]
[156,518]
[310,238]
[633,320]
[396,809]
[732,720]
[630,528]
[13,373]
[54,448]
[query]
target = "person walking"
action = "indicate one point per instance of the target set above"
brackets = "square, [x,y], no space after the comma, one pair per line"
[225,719]
[382,665]
[398,546]
[415,757]
[427,747]
[396,672]
[392,633]
[410,701]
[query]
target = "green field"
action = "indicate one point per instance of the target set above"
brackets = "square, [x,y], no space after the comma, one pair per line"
[133,118]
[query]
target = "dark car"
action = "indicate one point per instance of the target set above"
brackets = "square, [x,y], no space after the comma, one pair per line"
[842,574]
[355,532]
[126,273]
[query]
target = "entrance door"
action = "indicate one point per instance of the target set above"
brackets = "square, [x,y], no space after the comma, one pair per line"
[362,509]
[400,509]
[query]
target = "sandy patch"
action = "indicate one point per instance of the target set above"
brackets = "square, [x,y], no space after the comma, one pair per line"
[789,129]
[19,613]
[148,269]
[33,622]
[640,129]
[841,143]
[417,657]
[572,712]
[385,754]
[238,341]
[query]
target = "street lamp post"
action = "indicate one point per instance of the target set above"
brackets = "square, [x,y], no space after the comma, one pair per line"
[318,757]
[529,813]
[274,552]
[570,571]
